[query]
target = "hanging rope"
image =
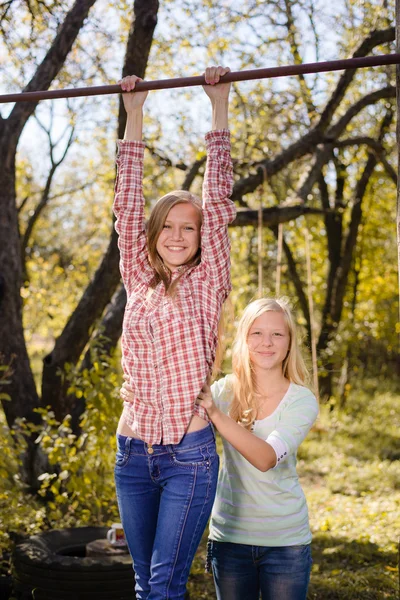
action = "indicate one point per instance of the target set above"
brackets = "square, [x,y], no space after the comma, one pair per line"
[311,311]
[260,232]
[178,82]
[279,261]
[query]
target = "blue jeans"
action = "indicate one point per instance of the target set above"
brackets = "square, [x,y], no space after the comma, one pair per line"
[165,494]
[242,572]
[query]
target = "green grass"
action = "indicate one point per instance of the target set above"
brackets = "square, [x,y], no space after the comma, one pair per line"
[350,471]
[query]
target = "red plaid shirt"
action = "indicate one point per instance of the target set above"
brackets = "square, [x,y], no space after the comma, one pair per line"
[168,345]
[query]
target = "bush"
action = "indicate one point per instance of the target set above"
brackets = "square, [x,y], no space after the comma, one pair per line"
[78,488]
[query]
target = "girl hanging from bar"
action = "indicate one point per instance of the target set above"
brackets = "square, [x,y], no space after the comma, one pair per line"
[177,275]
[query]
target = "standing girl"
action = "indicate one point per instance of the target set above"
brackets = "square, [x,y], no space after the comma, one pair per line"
[176,272]
[259,532]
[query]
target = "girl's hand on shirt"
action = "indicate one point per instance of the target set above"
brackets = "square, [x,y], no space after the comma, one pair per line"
[126,392]
[132,101]
[205,400]
[213,89]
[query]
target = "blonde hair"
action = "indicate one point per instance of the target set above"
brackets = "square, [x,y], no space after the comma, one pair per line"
[155,226]
[243,408]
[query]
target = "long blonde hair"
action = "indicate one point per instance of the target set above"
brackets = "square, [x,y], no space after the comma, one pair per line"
[155,226]
[243,408]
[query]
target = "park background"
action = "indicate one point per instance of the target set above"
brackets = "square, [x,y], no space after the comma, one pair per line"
[317,153]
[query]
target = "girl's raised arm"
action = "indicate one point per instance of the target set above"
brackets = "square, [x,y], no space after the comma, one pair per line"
[218,209]
[129,201]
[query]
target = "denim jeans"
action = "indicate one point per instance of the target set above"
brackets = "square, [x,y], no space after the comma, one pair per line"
[242,572]
[165,494]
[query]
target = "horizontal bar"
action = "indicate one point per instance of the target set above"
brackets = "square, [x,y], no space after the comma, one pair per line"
[161,84]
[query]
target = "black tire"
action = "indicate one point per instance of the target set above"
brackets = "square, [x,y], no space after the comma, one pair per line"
[53,566]
[5,587]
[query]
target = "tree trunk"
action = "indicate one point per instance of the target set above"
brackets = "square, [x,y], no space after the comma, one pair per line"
[106,338]
[75,336]
[341,253]
[20,386]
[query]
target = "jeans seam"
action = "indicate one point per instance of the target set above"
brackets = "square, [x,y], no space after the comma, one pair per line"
[181,534]
[205,503]
[206,499]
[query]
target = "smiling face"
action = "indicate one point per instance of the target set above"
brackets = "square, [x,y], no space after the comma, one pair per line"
[179,239]
[268,341]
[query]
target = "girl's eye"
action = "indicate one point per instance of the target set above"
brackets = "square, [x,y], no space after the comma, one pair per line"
[167,227]
[255,333]
[189,228]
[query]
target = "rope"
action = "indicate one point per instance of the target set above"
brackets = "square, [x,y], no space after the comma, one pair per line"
[311,311]
[279,261]
[260,232]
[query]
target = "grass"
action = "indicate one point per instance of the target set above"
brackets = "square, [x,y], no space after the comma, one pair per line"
[350,472]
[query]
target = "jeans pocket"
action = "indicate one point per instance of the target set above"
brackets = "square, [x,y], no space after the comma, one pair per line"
[296,557]
[122,454]
[193,457]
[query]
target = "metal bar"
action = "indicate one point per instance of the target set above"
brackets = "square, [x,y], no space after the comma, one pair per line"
[161,84]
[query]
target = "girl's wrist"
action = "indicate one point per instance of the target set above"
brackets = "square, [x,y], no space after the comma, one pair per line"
[222,100]
[220,113]
[215,416]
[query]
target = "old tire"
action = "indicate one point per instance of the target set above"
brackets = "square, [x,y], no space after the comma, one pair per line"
[53,566]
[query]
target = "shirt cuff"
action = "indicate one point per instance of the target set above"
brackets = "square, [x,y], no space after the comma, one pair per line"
[131,148]
[280,447]
[217,139]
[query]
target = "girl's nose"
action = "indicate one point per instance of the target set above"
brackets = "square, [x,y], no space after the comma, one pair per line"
[176,233]
[267,341]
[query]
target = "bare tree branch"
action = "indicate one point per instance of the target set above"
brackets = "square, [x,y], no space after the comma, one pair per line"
[376,147]
[273,215]
[49,67]
[193,171]
[295,279]
[308,143]
[305,92]
[165,160]
[376,38]
[45,196]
